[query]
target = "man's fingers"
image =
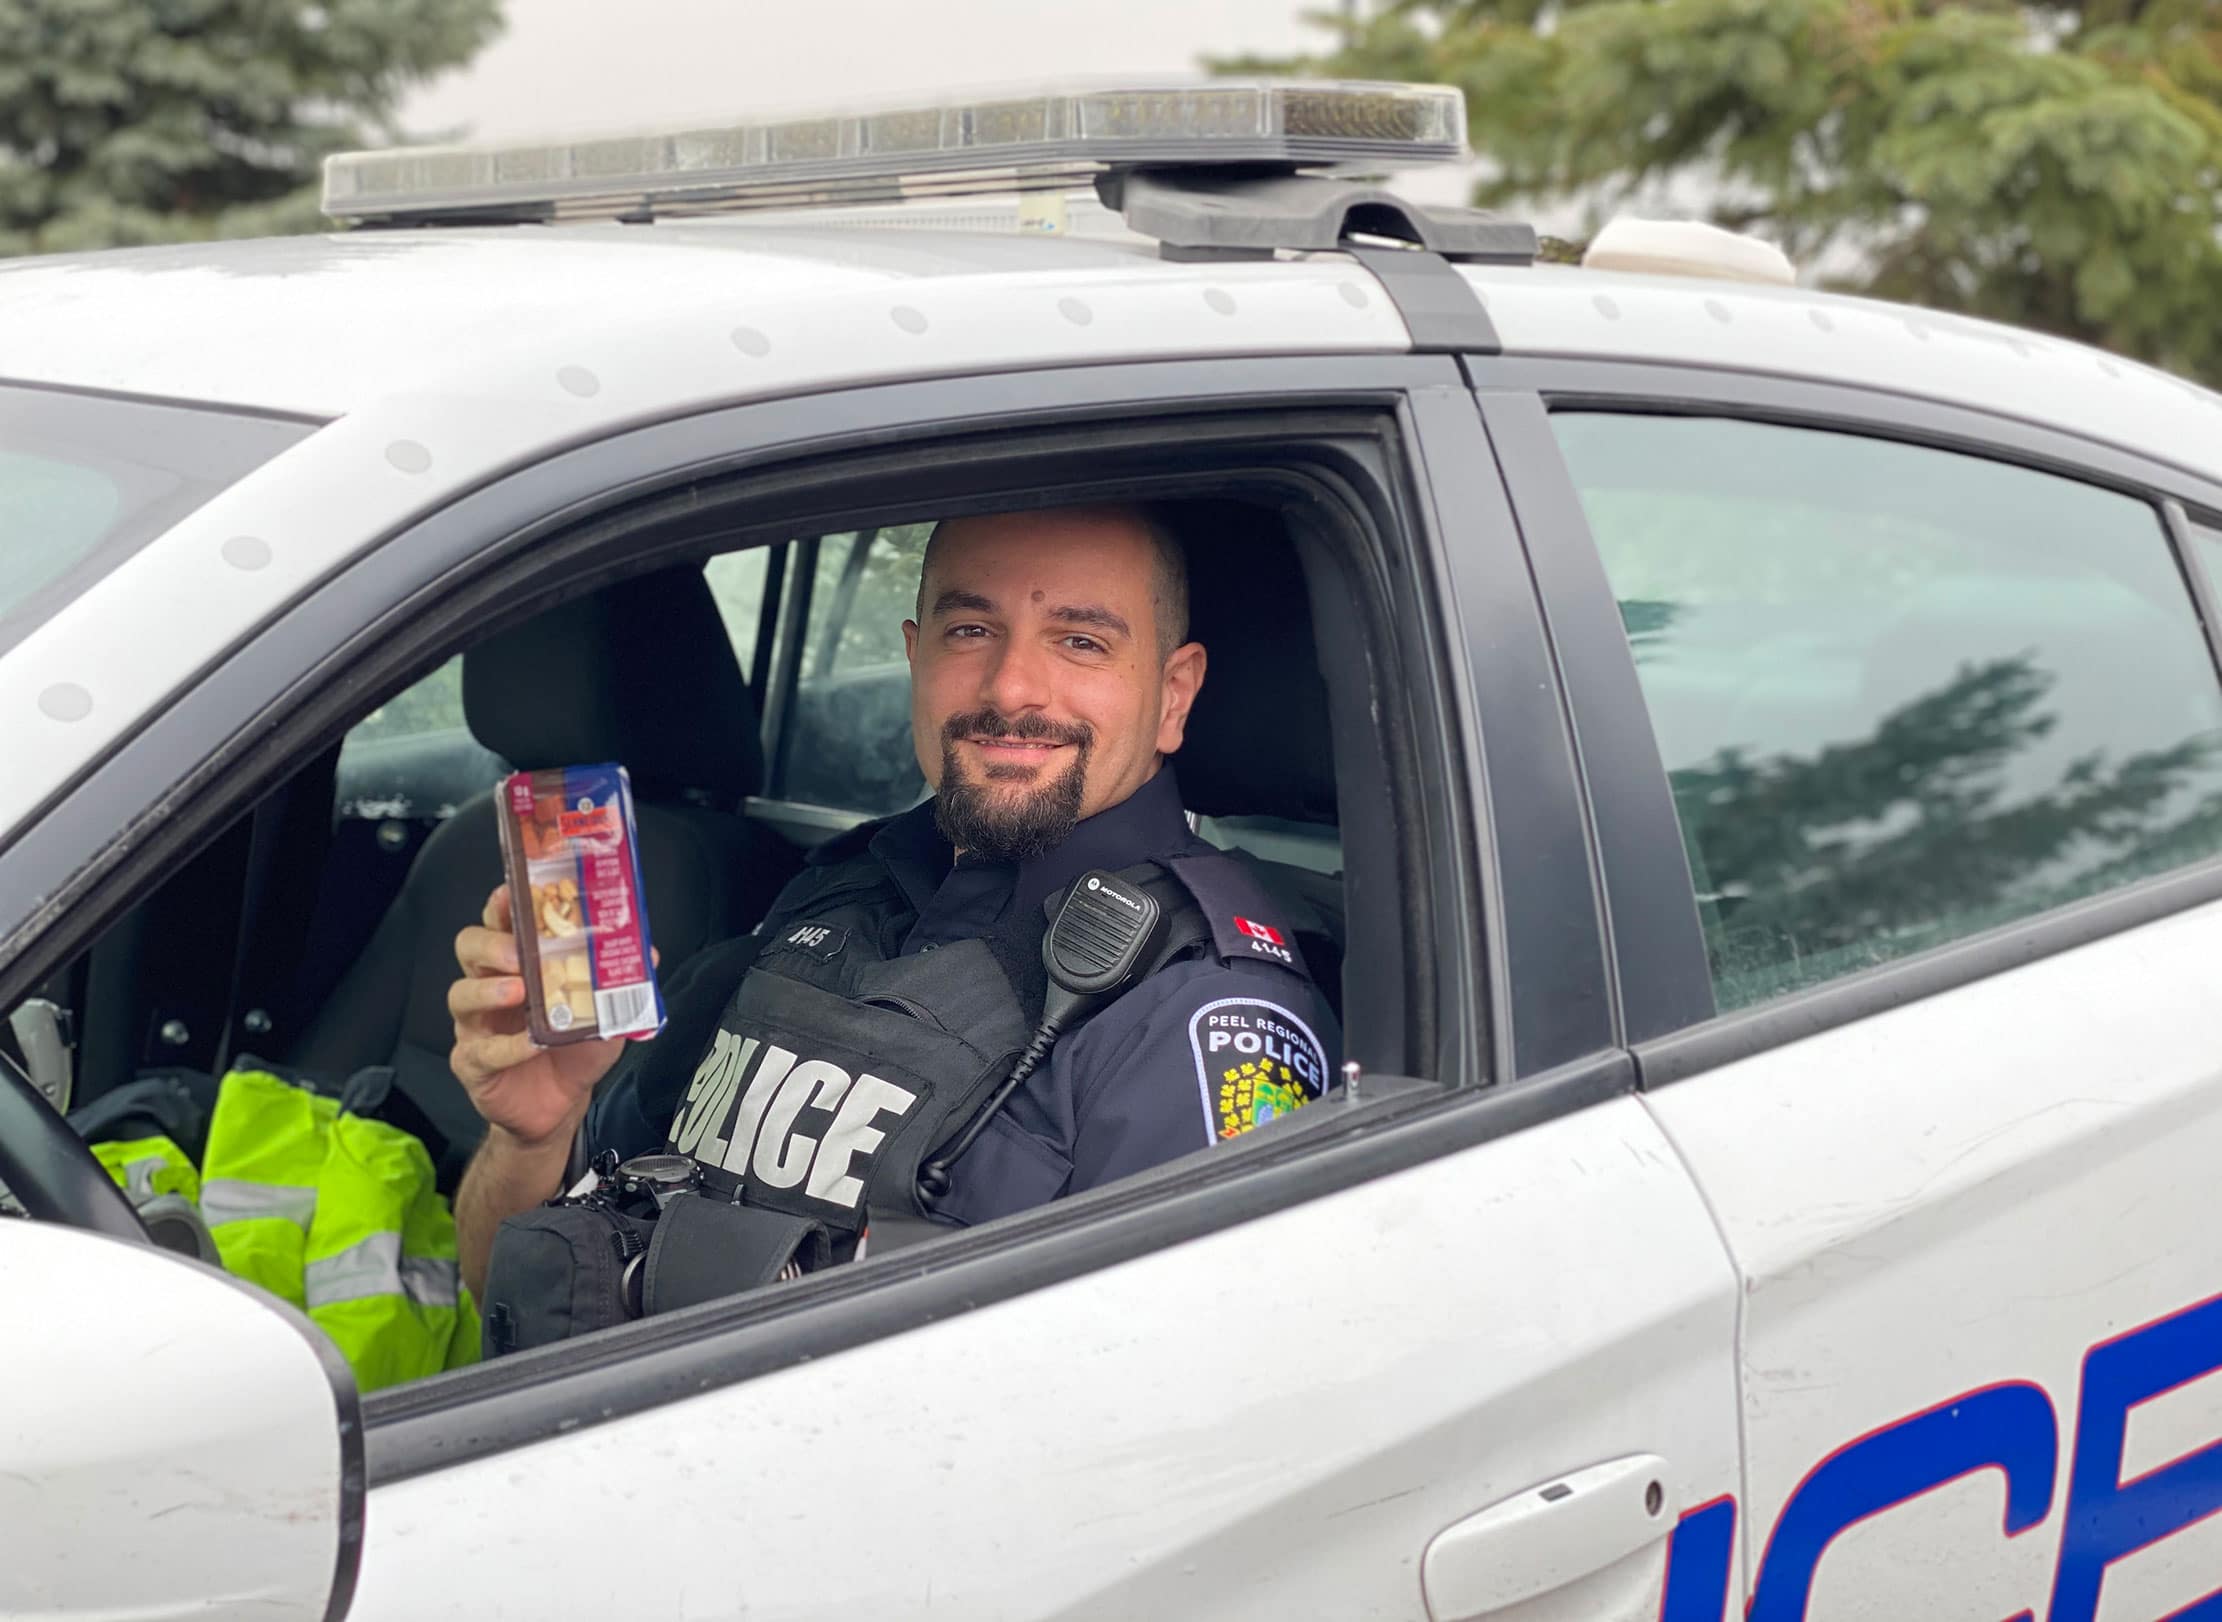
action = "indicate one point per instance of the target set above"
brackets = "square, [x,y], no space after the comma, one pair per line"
[482,994]
[478,1057]
[496,915]
[486,951]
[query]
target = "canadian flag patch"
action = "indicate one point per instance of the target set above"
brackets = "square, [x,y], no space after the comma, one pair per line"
[1258,931]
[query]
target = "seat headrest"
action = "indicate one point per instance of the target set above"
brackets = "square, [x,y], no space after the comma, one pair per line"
[1258,739]
[641,672]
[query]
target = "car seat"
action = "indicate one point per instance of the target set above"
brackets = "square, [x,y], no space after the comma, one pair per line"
[1259,744]
[642,673]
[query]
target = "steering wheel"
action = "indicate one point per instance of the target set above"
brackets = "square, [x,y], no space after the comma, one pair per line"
[47,1167]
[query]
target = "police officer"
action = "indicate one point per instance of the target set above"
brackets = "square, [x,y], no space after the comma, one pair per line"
[1051,679]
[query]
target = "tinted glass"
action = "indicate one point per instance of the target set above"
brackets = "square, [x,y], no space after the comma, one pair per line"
[85,481]
[1902,695]
[434,704]
[848,743]
[737,582]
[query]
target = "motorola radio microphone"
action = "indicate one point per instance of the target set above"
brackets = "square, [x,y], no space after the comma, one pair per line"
[1101,938]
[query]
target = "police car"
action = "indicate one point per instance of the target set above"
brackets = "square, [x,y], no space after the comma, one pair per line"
[1754,758]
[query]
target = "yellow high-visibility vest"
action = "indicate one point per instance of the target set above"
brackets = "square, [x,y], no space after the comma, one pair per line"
[334,1213]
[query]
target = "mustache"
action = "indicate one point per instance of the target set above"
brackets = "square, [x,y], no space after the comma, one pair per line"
[1032,728]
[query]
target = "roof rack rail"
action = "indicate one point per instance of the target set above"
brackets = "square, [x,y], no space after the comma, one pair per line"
[1203,214]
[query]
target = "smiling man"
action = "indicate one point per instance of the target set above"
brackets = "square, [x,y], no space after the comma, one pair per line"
[813,1068]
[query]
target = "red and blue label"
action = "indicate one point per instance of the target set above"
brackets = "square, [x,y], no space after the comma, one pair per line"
[582,900]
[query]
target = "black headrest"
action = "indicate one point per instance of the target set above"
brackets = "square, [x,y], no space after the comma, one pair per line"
[641,672]
[1258,742]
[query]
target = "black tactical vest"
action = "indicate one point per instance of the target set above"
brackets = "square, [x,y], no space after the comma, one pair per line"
[840,1066]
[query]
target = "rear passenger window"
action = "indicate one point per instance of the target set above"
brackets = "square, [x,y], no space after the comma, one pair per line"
[848,741]
[1902,695]
[737,583]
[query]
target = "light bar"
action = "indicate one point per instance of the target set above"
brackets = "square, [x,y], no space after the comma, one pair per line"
[999,143]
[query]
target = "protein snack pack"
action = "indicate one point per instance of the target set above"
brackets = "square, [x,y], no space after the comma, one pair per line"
[573,858]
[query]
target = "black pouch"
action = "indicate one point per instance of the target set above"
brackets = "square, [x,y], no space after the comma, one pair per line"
[558,1271]
[706,1249]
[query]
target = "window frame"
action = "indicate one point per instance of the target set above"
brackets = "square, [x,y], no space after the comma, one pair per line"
[402,606]
[1662,977]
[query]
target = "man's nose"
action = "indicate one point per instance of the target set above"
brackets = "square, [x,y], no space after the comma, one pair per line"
[1018,679]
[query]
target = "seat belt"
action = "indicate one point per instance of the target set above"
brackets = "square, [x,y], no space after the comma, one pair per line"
[262,835]
[274,917]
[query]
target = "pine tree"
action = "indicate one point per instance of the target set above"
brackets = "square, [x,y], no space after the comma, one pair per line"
[136,121]
[2054,166]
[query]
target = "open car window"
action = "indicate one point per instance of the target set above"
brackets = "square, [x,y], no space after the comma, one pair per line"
[318,948]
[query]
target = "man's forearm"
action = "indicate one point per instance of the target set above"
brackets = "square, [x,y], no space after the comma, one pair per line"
[503,1178]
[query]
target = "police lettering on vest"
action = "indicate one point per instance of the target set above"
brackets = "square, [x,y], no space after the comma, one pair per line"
[835,1069]
[762,1112]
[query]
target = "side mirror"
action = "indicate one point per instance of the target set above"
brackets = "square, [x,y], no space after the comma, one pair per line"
[172,1443]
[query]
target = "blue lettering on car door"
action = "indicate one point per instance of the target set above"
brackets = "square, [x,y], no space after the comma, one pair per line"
[2011,1428]
[2109,1518]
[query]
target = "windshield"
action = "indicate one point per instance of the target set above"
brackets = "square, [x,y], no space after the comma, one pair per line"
[85,481]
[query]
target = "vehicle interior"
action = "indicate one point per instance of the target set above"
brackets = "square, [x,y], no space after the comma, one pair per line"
[759,698]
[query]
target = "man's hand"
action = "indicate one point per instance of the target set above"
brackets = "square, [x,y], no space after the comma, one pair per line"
[535,1095]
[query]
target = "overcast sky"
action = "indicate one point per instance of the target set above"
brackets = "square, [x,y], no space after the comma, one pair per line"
[592,64]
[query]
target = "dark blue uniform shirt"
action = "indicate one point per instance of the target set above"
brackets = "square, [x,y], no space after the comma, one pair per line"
[1164,1070]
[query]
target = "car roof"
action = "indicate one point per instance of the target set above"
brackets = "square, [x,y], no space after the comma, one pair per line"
[442,357]
[1814,336]
[322,325]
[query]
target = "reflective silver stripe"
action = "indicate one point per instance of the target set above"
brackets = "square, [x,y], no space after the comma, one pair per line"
[229,1200]
[432,1282]
[375,1266]
[138,1177]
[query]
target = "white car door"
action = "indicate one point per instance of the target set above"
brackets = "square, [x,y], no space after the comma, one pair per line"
[1917,704]
[1275,1420]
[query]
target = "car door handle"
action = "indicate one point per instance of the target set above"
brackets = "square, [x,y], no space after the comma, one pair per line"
[1547,1537]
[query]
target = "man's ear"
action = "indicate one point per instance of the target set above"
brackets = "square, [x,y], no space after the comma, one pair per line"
[910,641]
[1182,681]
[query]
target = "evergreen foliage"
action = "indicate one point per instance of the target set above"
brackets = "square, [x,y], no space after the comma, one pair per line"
[2055,166]
[125,122]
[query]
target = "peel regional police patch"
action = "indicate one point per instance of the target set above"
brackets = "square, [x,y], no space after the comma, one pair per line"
[1254,1060]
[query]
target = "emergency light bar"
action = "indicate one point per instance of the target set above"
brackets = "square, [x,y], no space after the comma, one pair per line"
[1002,143]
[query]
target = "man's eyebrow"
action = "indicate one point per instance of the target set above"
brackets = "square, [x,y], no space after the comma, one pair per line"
[971,601]
[1091,614]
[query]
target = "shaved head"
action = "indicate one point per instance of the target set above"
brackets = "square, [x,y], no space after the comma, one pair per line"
[1168,567]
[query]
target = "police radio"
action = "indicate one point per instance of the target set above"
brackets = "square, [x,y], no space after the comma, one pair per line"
[1106,933]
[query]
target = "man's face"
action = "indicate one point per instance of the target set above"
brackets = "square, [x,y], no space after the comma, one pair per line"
[1038,696]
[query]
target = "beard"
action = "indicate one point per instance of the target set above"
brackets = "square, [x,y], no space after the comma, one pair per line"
[1000,822]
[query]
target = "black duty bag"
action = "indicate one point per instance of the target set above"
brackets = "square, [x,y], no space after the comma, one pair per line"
[557,1271]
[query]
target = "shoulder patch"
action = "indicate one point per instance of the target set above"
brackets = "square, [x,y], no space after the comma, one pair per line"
[1254,1060]
[1246,924]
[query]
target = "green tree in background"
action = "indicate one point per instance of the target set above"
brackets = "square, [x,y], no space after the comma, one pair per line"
[136,121]
[2055,166]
